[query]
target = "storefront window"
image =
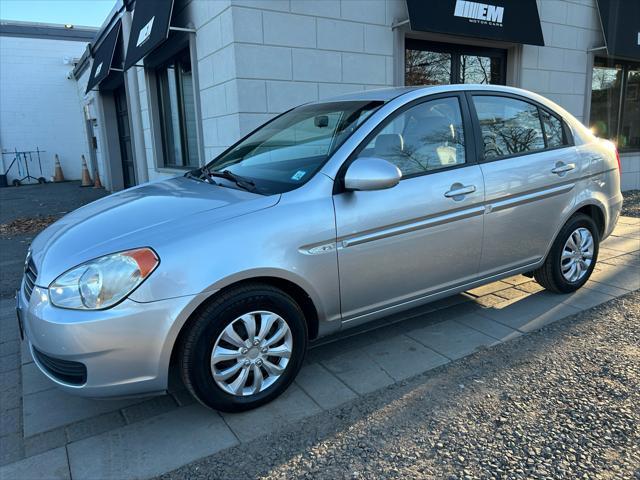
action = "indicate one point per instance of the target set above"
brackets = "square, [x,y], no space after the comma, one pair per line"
[427,68]
[431,63]
[630,127]
[177,112]
[615,102]
[480,69]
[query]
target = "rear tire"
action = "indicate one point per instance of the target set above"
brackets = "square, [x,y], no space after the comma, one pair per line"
[233,334]
[572,257]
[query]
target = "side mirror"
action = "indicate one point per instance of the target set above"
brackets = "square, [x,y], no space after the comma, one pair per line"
[371,173]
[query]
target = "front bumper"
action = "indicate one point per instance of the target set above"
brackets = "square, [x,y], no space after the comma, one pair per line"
[126,349]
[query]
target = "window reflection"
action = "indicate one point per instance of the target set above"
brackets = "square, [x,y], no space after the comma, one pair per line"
[552,130]
[427,68]
[477,69]
[177,112]
[630,128]
[508,126]
[605,94]
[434,63]
[615,102]
[426,137]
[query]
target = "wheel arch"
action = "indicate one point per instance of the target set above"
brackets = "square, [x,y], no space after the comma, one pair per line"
[299,295]
[593,209]
[597,214]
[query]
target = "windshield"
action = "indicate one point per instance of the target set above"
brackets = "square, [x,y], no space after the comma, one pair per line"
[288,151]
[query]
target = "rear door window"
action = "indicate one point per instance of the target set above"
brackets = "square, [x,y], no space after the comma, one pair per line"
[508,126]
[553,131]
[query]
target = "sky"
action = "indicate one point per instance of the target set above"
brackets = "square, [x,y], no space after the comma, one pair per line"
[77,12]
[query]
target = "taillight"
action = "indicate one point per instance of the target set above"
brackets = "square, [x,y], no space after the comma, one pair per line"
[618,159]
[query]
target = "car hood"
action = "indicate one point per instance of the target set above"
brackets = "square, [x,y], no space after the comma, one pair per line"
[137,217]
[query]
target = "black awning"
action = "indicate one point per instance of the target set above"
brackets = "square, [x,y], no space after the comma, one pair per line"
[621,27]
[103,57]
[514,21]
[150,27]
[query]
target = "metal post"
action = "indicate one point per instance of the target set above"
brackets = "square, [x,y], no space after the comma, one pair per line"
[196,95]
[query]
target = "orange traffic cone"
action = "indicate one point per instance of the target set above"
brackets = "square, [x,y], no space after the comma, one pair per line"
[58,176]
[86,178]
[97,183]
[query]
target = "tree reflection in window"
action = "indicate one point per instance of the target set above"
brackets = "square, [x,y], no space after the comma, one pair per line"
[552,130]
[508,126]
[427,68]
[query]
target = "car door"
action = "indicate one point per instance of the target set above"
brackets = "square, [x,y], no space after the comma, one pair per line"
[398,245]
[530,169]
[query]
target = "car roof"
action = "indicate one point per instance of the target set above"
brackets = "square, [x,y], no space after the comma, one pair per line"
[387,94]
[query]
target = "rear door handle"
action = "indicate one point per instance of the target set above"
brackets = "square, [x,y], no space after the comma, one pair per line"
[561,168]
[459,190]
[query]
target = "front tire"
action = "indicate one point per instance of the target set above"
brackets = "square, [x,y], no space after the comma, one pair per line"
[572,257]
[244,348]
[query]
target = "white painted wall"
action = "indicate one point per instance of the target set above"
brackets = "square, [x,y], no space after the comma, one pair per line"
[39,105]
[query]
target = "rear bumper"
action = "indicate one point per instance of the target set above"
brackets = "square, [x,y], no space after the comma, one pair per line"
[615,207]
[126,350]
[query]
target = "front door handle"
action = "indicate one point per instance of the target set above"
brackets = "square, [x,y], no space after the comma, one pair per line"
[458,191]
[561,168]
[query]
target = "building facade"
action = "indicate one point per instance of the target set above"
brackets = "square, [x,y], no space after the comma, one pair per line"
[39,105]
[167,85]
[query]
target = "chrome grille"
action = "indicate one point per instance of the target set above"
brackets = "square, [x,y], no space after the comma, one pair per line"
[30,275]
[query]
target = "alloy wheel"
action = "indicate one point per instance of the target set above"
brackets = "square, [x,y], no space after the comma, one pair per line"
[251,353]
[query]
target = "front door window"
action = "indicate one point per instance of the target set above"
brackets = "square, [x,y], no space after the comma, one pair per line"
[423,138]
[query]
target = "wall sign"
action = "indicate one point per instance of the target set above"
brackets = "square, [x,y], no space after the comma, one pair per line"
[479,12]
[514,21]
[621,27]
[103,57]
[145,32]
[150,28]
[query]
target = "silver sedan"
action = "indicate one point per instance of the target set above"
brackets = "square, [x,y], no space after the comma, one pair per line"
[330,215]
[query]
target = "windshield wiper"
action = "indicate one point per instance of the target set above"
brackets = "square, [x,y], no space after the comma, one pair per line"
[196,175]
[242,182]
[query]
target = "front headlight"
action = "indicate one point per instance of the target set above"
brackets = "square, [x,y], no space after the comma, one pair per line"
[103,282]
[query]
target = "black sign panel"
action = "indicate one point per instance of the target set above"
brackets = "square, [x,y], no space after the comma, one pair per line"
[506,20]
[621,27]
[103,57]
[150,27]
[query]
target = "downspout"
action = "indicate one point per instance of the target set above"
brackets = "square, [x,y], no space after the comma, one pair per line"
[133,94]
[399,29]
[196,94]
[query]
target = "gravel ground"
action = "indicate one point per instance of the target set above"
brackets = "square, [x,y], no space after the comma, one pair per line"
[559,403]
[631,205]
